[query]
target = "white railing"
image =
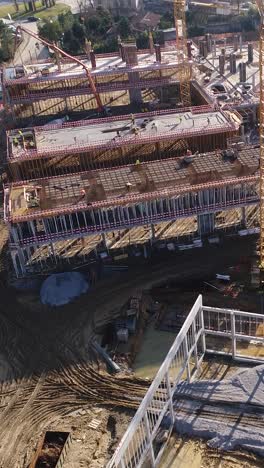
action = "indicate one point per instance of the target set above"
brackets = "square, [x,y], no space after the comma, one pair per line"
[231,327]
[182,362]
[141,442]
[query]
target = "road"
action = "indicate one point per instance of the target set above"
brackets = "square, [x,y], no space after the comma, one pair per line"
[73,4]
[27,50]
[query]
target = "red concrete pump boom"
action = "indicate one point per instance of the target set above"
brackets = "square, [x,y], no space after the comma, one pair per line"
[70,57]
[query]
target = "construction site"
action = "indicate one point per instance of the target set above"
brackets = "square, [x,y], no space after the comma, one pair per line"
[133,230]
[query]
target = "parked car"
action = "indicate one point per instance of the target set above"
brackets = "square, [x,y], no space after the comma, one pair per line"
[32,19]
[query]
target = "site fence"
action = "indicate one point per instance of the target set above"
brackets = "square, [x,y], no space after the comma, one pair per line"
[142,444]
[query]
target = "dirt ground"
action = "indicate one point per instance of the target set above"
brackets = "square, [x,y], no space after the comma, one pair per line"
[186,453]
[50,379]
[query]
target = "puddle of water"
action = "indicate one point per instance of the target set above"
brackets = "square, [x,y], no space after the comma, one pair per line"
[154,348]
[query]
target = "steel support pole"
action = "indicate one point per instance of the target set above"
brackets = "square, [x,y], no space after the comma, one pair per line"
[170,398]
[187,360]
[152,456]
[203,331]
[233,333]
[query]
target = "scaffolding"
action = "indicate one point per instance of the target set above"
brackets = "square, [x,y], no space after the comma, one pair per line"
[45,88]
[72,216]
[58,53]
[75,147]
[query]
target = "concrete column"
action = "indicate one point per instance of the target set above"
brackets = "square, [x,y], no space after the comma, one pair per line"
[134,93]
[88,48]
[104,240]
[13,256]
[240,43]
[208,38]
[153,236]
[214,48]
[189,49]
[158,52]
[233,67]
[236,41]
[250,53]
[244,216]
[242,131]
[206,223]
[222,64]
[242,72]
[21,258]
[151,43]
[93,59]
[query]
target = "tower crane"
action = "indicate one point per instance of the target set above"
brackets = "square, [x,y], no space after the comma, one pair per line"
[181,45]
[260,5]
[58,52]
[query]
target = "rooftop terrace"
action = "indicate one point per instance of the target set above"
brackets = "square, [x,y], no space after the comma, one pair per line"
[128,184]
[118,131]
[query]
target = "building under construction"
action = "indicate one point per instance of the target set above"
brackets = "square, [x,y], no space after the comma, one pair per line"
[44,213]
[97,187]
[228,70]
[86,145]
[135,78]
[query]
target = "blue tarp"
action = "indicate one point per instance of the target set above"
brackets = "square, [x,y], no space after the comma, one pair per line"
[61,288]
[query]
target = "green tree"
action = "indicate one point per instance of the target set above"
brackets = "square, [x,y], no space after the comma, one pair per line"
[50,30]
[66,20]
[16,5]
[7,43]
[71,43]
[124,28]
[166,21]
[142,40]
[78,31]
[92,24]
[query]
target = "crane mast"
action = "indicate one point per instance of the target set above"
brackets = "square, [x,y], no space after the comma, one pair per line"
[260,5]
[59,51]
[181,45]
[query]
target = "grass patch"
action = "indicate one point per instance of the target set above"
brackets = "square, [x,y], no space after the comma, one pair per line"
[41,12]
[53,11]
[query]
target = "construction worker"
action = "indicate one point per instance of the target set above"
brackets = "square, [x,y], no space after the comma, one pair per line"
[137,162]
[83,193]
[22,136]
[154,127]
[15,141]
[31,144]
[133,119]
